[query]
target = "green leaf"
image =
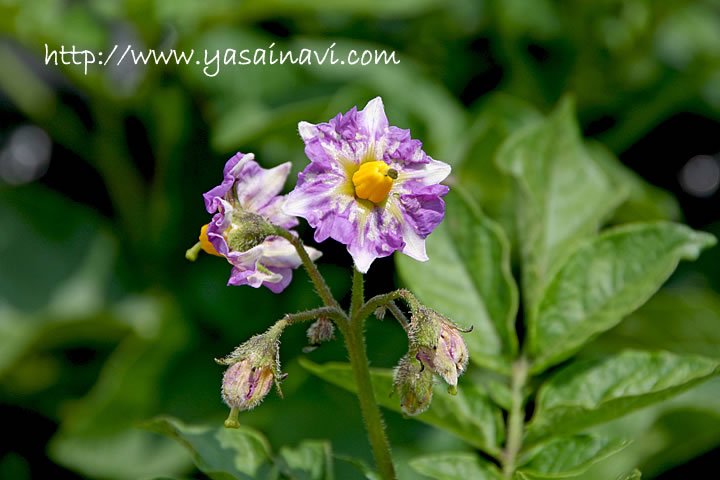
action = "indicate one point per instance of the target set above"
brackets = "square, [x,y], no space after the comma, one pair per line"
[568,456]
[47,240]
[645,201]
[564,195]
[167,478]
[470,414]
[687,433]
[680,320]
[665,435]
[311,460]
[499,116]
[452,466]
[634,475]
[595,391]
[603,281]
[499,392]
[470,254]
[95,435]
[361,465]
[222,453]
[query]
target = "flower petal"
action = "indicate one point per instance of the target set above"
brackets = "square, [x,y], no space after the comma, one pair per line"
[213,196]
[378,233]
[285,279]
[429,173]
[256,187]
[280,253]
[372,119]
[274,213]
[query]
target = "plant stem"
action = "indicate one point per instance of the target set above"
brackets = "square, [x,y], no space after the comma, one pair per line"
[352,329]
[355,343]
[516,418]
[306,316]
[399,315]
[320,285]
[381,300]
[358,292]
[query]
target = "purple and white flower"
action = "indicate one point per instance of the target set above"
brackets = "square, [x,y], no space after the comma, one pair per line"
[248,190]
[369,186]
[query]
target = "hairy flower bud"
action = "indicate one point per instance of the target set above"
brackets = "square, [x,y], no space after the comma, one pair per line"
[321,331]
[253,368]
[414,384]
[439,344]
[245,386]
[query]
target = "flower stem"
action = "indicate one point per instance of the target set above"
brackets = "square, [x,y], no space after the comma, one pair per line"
[355,343]
[516,418]
[306,316]
[381,300]
[399,315]
[358,292]
[352,329]
[320,285]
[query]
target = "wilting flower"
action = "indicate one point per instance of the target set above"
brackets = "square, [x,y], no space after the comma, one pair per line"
[247,205]
[253,368]
[321,331]
[369,186]
[440,346]
[414,384]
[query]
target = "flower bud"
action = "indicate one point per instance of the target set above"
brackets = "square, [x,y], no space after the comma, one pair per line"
[253,368]
[439,344]
[321,331]
[414,384]
[245,386]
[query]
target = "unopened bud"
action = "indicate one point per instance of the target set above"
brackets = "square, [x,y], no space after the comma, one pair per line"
[414,384]
[439,344]
[321,331]
[245,386]
[253,368]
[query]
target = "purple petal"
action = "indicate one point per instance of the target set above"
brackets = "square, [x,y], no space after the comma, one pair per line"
[213,196]
[372,119]
[378,234]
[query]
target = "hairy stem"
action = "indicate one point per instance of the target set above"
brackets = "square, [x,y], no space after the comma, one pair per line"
[382,300]
[358,292]
[355,343]
[352,328]
[516,418]
[306,316]
[399,315]
[320,285]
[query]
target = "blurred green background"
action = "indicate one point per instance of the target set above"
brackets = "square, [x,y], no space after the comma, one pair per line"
[103,323]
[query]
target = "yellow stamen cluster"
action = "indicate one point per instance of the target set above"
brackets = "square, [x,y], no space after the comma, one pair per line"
[373,181]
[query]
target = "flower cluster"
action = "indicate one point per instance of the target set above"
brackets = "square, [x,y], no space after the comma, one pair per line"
[436,346]
[368,185]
